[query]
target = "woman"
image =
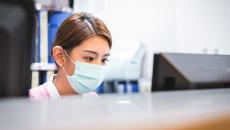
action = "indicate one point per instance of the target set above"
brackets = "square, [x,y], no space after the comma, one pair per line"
[80,50]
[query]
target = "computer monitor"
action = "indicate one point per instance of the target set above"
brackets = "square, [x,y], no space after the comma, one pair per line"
[178,71]
[17,24]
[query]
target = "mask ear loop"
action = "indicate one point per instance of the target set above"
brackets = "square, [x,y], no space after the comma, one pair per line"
[63,65]
[64,71]
[69,58]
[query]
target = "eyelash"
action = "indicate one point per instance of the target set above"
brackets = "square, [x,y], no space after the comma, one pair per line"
[90,59]
[105,60]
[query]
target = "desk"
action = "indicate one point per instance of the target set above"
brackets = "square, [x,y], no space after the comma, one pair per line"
[177,110]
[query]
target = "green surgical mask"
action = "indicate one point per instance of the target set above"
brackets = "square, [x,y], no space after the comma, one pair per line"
[86,77]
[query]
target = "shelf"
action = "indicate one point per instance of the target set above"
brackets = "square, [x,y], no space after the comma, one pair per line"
[43,67]
[48,6]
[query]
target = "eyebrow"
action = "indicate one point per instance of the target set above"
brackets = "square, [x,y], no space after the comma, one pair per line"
[95,53]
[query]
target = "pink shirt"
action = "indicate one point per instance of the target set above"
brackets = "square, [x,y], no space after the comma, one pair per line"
[48,90]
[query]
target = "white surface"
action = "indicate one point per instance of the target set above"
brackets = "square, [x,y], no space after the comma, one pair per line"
[125,61]
[113,111]
[42,66]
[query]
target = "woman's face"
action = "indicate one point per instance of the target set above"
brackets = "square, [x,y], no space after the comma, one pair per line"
[94,50]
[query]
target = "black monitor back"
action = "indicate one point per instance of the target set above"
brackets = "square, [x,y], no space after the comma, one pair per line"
[17,24]
[177,71]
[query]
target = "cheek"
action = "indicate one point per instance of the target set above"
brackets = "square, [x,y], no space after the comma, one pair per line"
[75,56]
[70,67]
[81,59]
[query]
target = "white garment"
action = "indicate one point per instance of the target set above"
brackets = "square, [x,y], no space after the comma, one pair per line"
[48,90]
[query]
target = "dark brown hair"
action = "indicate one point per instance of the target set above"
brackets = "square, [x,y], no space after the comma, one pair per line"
[79,27]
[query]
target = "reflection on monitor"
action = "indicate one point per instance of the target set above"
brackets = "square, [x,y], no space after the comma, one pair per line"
[177,71]
[16,36]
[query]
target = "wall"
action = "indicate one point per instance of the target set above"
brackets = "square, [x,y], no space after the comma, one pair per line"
[194,26]
[203,25]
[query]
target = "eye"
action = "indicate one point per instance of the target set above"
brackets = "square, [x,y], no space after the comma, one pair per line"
[89,59]
[104,61]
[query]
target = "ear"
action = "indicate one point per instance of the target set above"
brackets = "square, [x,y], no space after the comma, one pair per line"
[58,55]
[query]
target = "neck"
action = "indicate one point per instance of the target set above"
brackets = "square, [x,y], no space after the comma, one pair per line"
[61,83]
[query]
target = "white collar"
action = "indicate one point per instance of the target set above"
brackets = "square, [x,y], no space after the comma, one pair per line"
[51,87]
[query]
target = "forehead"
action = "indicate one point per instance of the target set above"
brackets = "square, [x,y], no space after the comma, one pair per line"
[97,44]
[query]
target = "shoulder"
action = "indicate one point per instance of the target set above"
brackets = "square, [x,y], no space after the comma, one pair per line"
[39,92]
[44,91]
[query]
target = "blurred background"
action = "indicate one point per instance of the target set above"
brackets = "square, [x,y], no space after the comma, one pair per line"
[191,26]
[139,28]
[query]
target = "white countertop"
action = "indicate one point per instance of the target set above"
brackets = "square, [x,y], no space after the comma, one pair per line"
[112,111]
